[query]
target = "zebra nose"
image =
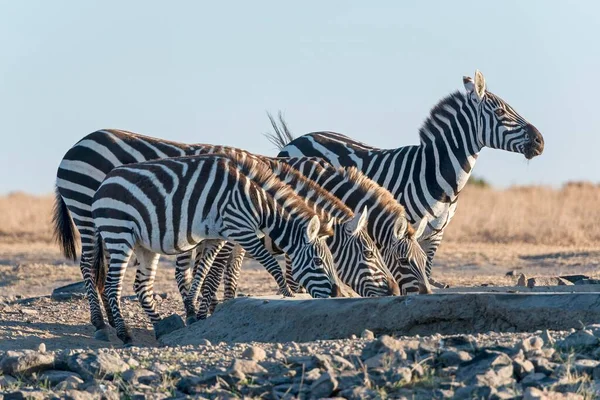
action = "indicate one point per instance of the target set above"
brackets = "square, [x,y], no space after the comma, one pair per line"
[336,291]
[536,138]
[394,288]
[424,288]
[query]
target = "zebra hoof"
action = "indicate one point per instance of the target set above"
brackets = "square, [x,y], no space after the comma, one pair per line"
[167,325]
[102,334]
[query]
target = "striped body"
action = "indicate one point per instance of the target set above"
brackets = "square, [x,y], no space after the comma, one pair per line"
[169,206]
[428,178]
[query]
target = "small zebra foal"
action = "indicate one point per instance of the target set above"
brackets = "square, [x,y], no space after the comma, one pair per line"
[168,206]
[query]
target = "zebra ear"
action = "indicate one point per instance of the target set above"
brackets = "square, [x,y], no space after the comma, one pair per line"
[359,222]
[420,228]
[312,230]
[479,84]
[400,227]
[469,85]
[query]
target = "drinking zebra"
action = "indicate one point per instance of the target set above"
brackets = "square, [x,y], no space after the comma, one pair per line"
[168,206]
[428,178]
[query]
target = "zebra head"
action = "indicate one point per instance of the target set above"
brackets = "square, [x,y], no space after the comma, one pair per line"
[406,259]
[358,260]
[499,126]
[312,262]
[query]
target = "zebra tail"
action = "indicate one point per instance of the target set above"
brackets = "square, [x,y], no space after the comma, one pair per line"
[99,264]
[282,136]
[65,232]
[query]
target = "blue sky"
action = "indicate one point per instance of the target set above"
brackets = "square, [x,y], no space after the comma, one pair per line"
[209,72]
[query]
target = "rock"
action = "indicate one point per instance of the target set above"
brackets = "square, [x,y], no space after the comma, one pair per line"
[54,377]
[532,393]
[487,368]
[474,392]
[384,360]
[42,348]
[522,280]
[547,338]
[289,390]
[522,368]
[577,340]
[350,379]
[462,342]
[400,375]
[247,367]
[367,334]
[278,355]
[450,358]
[70,383]
[68,292]
[547,281]
[324,386]
[533,380]
[532,343]
[101,365]
[204,342]
[586,366]
[143,376]
[359,393]
[26,394]
[341,363]
[7,381]
[588,282]
[384,345]
[543,365]
[168,325]
[574,278]
[78,395]
[254,353]
[26,363]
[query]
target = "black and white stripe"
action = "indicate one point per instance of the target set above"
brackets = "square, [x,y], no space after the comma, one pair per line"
[428,178]
[169,206]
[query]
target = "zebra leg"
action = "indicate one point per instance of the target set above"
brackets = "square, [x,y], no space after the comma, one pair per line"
[85,264]
[255,247]
[213,279]
[211,249]
[144,282]
[430,246]
[294,286]
[232,275]
[183,272]
[119,256]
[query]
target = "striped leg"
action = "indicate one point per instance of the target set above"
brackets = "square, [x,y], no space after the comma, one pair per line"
[295,286]
[144,281]
[256,248]
[211,249]
[213,279]
[430,246]
[232,275]
[92,294]
[119,255]
[183,272]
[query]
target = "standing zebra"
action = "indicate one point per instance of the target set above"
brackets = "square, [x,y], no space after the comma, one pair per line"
[168,206]
[427,179]
[387,225]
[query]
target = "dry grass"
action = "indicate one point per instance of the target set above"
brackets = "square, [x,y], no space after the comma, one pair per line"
[569,216]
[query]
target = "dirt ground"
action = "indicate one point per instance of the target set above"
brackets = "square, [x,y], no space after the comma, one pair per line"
[29,273]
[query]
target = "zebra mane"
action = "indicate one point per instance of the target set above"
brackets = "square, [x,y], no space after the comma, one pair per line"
[453,100]
[386,199]
[282,136]
[271,184]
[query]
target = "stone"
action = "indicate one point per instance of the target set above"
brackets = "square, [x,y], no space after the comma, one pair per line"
[341,363]
[547,281]
[78,395]
[54,377]
[400,375]
[312,375]
[324,386]
[547,338]
[532,393]
[278,355]
[143,376]
[543,365]
[359,393]
[247,367]
[350,379]
[462,342]
[254,353]
[100,366]
[487,368]
[585,366]
[367,334]
[42,348]
[450,358]
[578,340]
[384,360]
[384,344]
[26,363]
[534,379]
[522,368]
[289,390]
[26,394]
[168,325]
[532,343]
[73,291]
[72,382]
[474,392]
[7,381]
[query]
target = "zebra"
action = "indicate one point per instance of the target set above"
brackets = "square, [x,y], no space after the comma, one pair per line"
[355,255]
[387,225]
[168,206]
[428,178]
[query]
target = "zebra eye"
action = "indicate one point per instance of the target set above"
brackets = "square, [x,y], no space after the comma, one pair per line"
[318,262]
[368,254]
[500,112]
